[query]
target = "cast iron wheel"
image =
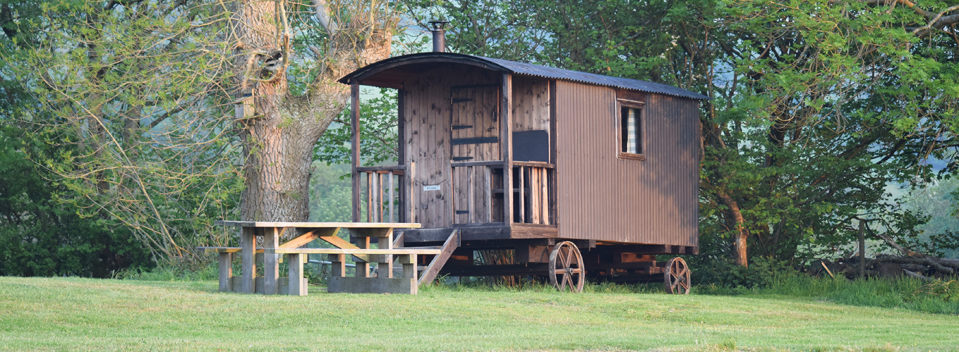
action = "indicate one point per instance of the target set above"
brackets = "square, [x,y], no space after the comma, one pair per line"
[566,267]
[676,276]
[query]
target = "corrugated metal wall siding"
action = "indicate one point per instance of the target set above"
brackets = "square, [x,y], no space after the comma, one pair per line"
[602,197]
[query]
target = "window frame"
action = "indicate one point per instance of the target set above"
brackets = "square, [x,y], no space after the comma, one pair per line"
[632,104]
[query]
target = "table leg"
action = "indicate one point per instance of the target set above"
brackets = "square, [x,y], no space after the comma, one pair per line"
[384,267]
[337,265]
[271,266]
[409,270]
[295,261]
[363,268]
[248,245]
[226,271]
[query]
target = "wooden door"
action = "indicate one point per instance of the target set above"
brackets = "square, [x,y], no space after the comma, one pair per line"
[474,125]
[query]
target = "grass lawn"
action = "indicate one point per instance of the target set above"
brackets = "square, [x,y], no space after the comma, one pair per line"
[89,314]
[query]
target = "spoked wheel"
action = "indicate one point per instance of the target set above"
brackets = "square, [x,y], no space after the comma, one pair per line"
[676,276]
[566,269]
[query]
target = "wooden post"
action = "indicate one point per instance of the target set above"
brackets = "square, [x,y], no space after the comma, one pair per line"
[248,246]
[506,136]
[408,184]
[362,268]
[470,170]
[384,266]
[390,185]
[295,274]
[373,202]
[522,194]
[401,154]
[553,135]
[337,265]
[544,196]
[369,196]
[379,197]
[862,248]
[226,271]
[409,270]
[271,267]
[355,145]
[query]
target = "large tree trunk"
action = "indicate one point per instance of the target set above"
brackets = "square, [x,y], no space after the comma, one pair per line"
[279,136]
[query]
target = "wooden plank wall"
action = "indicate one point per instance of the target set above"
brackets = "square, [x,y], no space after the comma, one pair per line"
[474,116]
[530,104]
[602,197]
[427,133]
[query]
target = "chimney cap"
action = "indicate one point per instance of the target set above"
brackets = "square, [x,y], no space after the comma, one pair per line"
[438,24]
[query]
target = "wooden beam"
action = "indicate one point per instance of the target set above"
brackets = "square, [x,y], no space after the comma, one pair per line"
[398,241]
[338,242]
[309,237]
[355,145]
[440,260]
[369,251]
[318,225]
[506,134]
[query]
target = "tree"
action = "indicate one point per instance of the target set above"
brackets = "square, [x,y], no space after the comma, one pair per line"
[294,92]
[129,95]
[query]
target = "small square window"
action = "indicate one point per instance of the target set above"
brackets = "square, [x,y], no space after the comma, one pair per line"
[630,134]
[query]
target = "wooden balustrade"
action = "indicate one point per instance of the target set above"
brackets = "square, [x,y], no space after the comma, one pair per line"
[382,182]
[533,203]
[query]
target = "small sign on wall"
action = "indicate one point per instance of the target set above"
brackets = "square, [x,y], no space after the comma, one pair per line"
[431,188]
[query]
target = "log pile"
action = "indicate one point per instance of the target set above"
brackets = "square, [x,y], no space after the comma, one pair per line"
[908,263]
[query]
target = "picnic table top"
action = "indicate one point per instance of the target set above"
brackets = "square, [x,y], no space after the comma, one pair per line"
[349,225]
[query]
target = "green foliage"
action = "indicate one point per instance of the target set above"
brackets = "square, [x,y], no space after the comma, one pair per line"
[378,140]
[128,97]
[947,291]
[331,195]
[762,272]
[40,236]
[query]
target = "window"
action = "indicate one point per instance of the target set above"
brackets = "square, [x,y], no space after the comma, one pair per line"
[630,131]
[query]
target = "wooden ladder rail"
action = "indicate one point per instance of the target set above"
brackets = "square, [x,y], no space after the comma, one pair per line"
[446,251]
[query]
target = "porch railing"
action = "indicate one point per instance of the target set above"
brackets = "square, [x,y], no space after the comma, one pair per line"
[382,192]
[532,182]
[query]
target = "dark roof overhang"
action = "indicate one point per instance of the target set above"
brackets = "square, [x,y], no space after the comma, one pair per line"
[392,72]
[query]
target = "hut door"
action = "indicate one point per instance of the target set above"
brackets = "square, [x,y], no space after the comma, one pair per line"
[474,121]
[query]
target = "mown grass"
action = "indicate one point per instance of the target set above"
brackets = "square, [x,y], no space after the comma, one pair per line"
[88,314]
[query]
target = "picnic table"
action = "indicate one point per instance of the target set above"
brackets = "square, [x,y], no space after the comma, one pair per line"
[304,232]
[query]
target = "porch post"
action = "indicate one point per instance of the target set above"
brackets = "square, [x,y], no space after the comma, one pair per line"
[355,145]
[407,175]
[506,110]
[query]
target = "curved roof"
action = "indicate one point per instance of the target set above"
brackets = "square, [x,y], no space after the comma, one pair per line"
[422,61]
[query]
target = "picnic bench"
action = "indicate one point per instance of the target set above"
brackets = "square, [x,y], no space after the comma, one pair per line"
[389,249]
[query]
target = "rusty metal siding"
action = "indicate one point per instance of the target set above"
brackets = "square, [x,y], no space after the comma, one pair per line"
[603,197]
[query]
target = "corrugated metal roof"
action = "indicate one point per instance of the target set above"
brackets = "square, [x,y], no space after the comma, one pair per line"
[583,77]
[523,69]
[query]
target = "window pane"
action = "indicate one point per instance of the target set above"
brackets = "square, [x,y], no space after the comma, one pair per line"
[632,129]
